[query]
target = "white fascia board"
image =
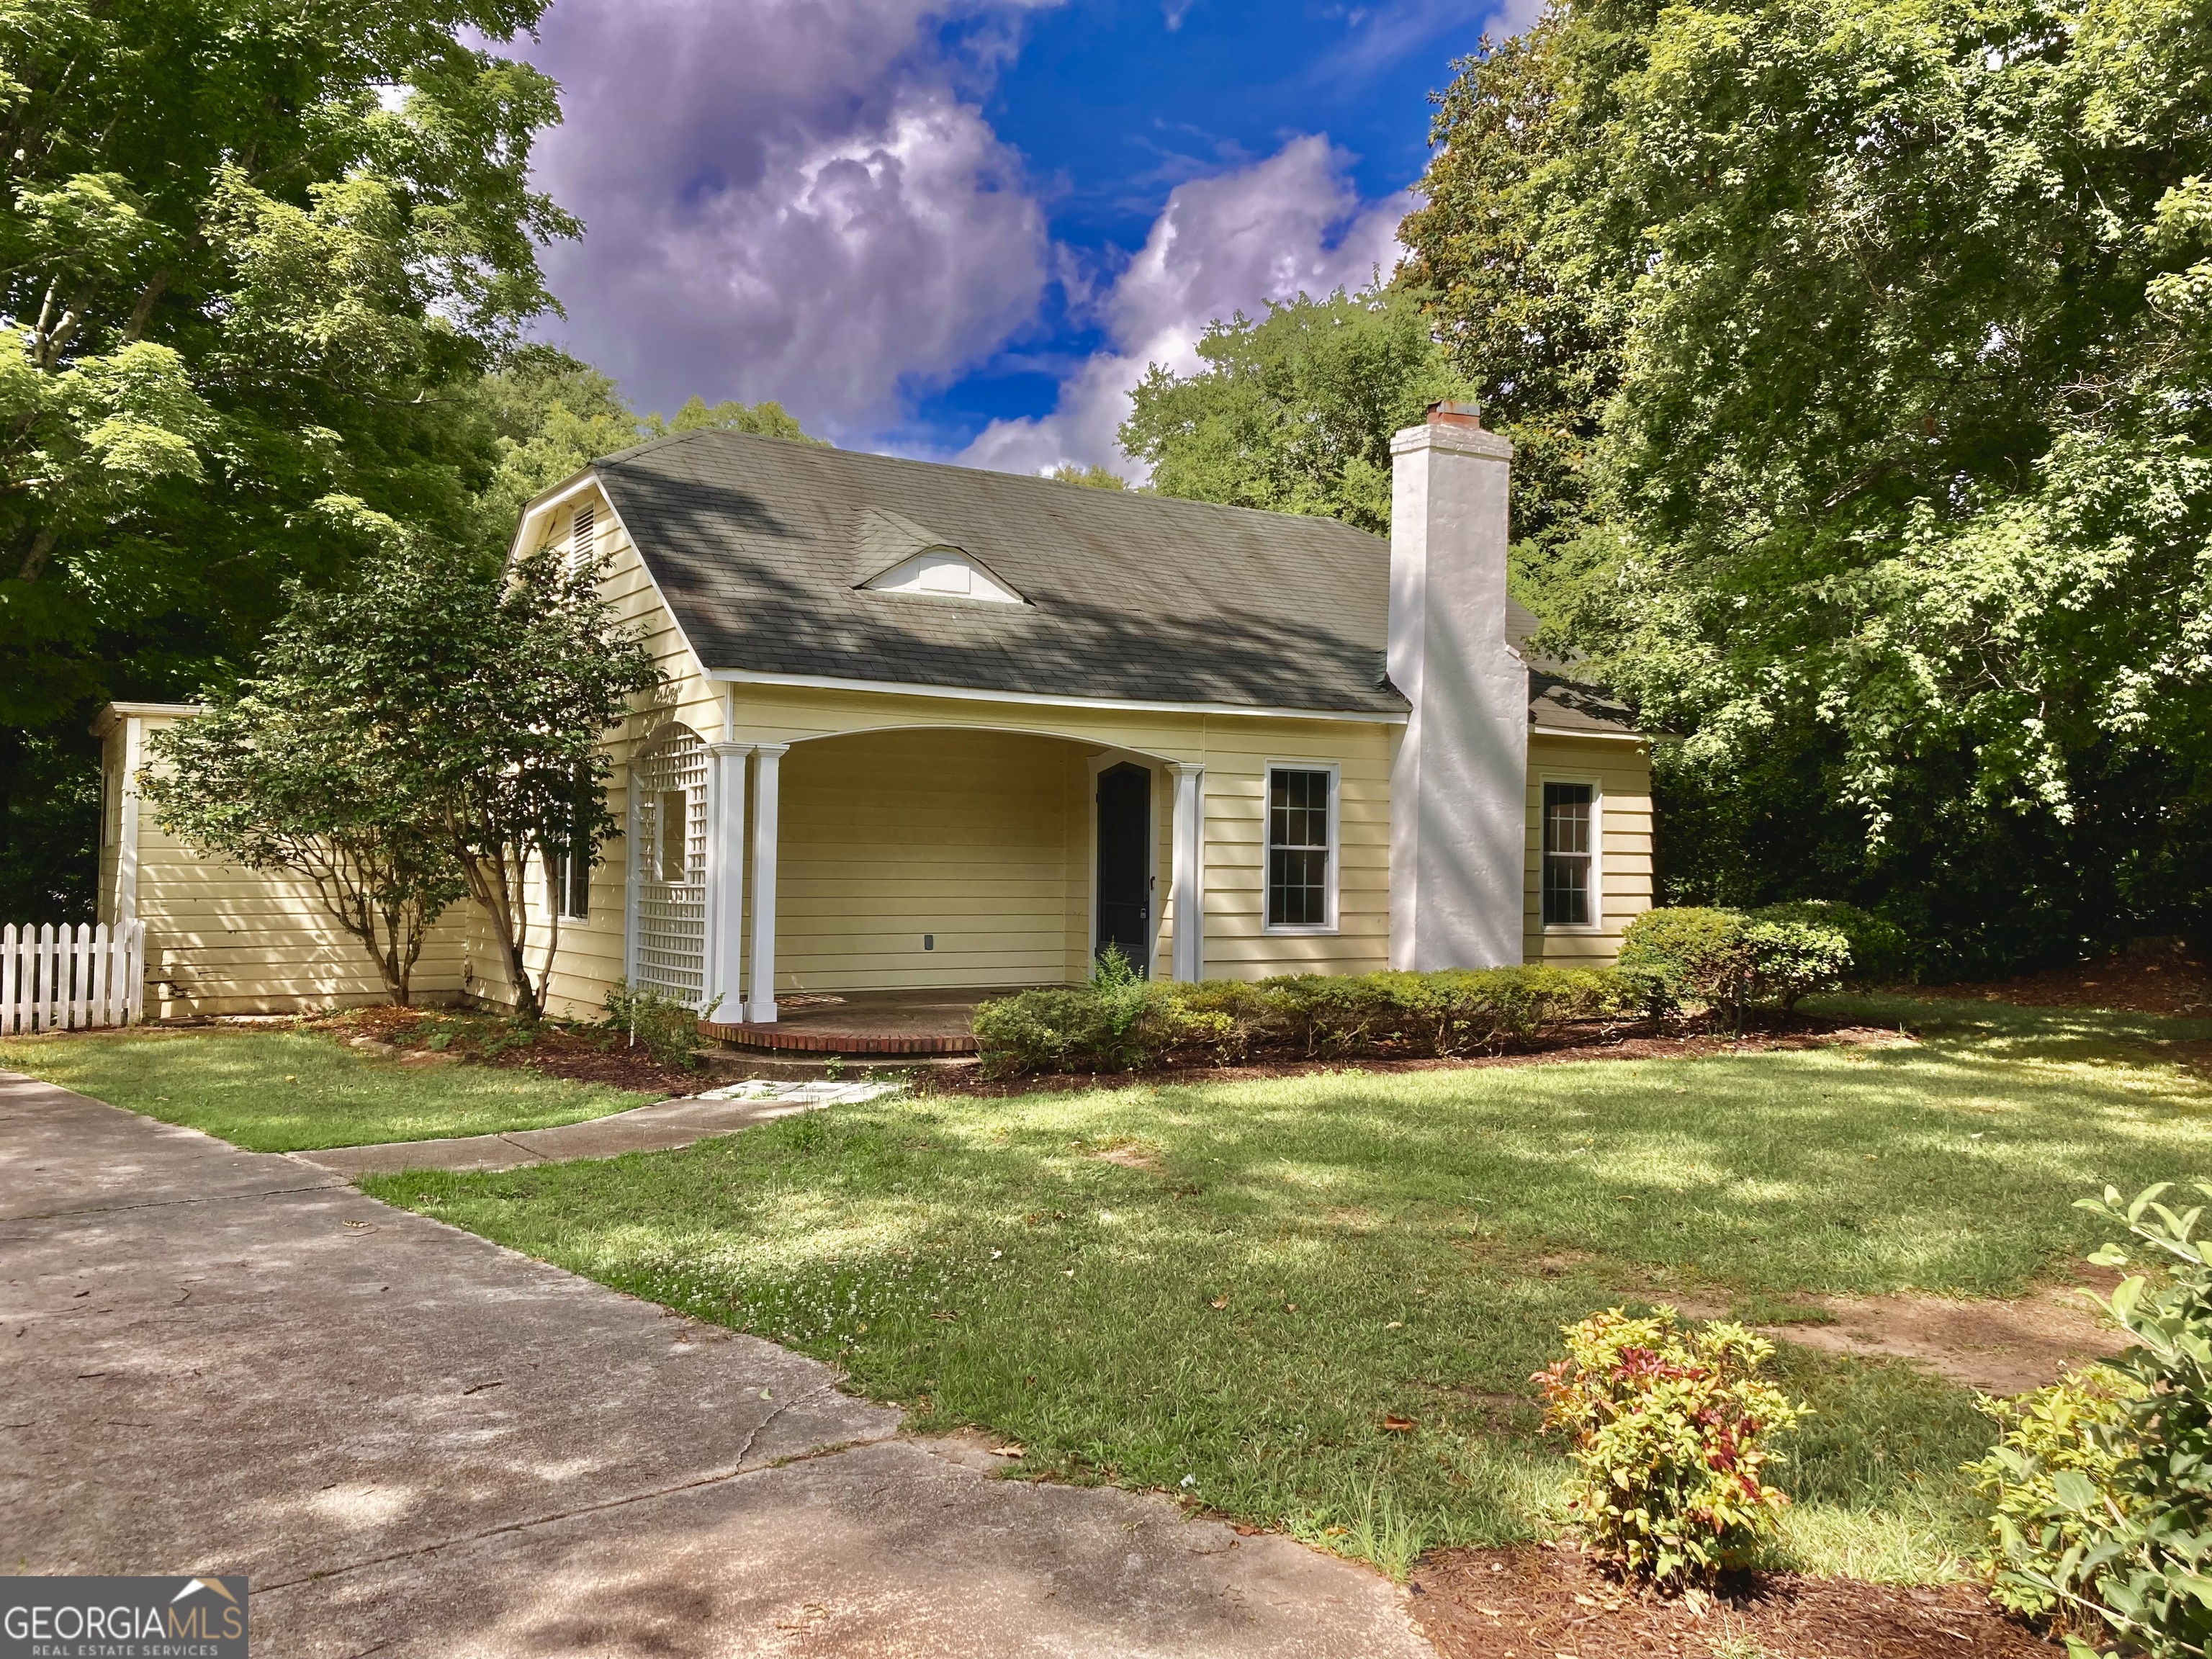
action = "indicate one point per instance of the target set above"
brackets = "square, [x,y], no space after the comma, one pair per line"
[1575,732]
[114,714]
[542,508]
[1111,705]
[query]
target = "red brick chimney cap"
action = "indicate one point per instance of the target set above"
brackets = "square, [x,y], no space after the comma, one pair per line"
[1450,414]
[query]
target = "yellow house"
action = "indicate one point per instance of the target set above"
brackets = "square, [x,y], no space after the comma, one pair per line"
[928,728]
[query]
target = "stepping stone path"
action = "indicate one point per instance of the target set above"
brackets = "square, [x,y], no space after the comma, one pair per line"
[658,1127]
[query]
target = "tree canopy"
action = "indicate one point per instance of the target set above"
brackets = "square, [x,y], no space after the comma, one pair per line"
[1874,340]
[1293,411]
[251,255]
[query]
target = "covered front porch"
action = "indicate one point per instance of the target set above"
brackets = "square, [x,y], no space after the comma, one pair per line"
[858,892]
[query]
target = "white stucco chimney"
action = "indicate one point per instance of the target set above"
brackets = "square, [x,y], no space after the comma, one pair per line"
[1459,786]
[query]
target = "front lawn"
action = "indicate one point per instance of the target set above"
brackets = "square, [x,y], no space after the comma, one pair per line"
[285,1091]
[1224,1291]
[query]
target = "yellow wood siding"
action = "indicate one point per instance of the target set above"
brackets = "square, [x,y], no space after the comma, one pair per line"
[224,940]
[1235,750]
[960,836]
[1622,773]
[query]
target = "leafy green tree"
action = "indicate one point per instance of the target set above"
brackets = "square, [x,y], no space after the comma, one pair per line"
[1293,412]
[250,258]
[766,420]
[551,417]
[429,728]
[1526,316]
[514,740]
[1899,496]
[1089,477]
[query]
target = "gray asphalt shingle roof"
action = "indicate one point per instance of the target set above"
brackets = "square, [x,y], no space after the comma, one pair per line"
[759,546]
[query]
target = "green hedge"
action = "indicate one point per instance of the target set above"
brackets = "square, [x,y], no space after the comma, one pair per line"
[1733,961]
[1119,1023]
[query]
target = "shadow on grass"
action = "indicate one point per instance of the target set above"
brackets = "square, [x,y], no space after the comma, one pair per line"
[1297,1261]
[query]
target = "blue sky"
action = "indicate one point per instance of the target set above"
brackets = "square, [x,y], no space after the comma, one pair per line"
[961,228]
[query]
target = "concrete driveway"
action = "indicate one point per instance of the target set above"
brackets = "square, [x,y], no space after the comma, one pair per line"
[416,1442]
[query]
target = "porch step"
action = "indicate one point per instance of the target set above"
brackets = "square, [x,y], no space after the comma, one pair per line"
[780,1039]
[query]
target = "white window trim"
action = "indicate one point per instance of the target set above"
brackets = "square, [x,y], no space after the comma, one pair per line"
[561,889]
[1101,764]
[1596,923]
[1304,929]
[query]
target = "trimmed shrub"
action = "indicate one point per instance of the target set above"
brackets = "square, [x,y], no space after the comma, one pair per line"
[1119,1023]
[1730,961]
[1693,954]
[664,1027]
[2104,1514]
[1882,951]
[1666,1428]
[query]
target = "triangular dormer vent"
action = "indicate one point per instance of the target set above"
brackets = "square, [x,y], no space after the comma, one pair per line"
[903,558]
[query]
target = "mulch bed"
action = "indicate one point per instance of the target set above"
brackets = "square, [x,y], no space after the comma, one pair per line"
[1549,1602]
[2165,981]
[580,1054]
[1643,1040]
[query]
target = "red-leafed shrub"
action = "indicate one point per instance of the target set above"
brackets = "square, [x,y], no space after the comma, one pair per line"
[1667,1427]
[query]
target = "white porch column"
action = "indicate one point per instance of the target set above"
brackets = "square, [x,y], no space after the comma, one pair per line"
[725,878]
[1189,878]
[767,757]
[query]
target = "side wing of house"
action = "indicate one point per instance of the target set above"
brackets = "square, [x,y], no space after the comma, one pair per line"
[221,939]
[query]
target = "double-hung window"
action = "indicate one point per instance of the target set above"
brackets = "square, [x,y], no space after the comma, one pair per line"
[1301,833]
[1570,829]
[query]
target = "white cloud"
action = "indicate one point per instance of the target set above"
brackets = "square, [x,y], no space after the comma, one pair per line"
[1292,222]
[785,198]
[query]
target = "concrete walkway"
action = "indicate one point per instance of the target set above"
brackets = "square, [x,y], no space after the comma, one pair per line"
[416,1442]
[655,1128]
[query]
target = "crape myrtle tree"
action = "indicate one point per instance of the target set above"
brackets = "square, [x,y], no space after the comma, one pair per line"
[296,769]
[513,741]
[251,258]
[429,728]
[1881,333]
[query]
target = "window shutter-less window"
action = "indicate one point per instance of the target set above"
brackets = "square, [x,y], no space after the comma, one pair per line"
[1298,848]
[1567,848]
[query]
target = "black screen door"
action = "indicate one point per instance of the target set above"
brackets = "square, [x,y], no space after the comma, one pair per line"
[1125,897]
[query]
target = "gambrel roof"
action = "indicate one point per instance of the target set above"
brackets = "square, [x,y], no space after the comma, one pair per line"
[761,548]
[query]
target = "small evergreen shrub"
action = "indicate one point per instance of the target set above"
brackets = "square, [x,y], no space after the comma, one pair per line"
[1120,1022]
[2104,1504]
[1666,1428]
[663,1026]
[1731,961]
[1882,951]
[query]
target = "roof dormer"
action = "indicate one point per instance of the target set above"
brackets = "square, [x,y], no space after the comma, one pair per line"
[904,558]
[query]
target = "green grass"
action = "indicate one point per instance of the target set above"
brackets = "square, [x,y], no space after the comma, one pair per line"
[284,1092]
[1406,1244]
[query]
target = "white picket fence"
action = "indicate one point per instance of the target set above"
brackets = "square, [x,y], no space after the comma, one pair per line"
[69,979]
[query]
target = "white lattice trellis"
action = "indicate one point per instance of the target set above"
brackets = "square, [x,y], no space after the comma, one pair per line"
[668,865]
